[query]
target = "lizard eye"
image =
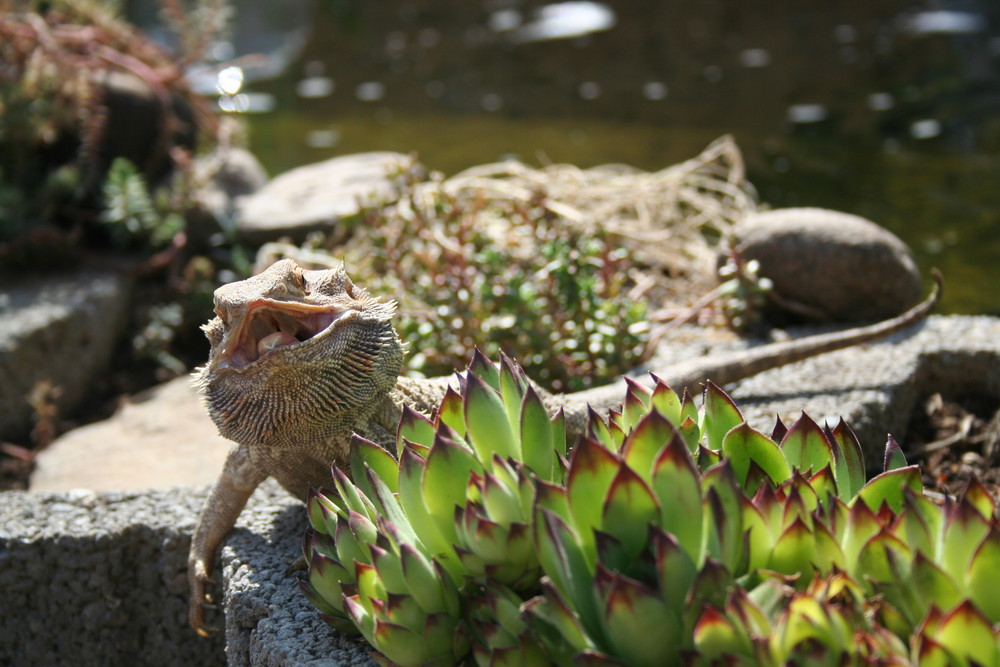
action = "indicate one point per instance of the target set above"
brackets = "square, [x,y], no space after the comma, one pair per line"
[299,278]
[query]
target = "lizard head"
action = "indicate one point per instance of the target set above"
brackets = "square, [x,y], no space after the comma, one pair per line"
[296,355]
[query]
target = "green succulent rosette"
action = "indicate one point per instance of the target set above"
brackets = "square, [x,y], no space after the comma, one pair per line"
[669,533]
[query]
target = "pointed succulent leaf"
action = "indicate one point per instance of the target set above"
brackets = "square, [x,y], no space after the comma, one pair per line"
[362,618]
[689,410]
[889,488]
[367,453]
[850,470]
[861,526]
[666,401]
[403,610]
[391,511]
[402,646]
[675,570]
[968,635]
[976,494]
[877,554]
[642,628]
[794,551]
[390,569]
[501,500]
[724,516]
[558,422]
[746,614]
[645,442]
[451,413]
[779,430]
[591,470]
[445,478]
[563,560]
[806,447]
[414,427]
[629,509]
[933,585]
[322,511]
[351,495]
[554,622]
[338,616]
[711,586]
[632,411]
[326,576]
[982,575]
[716,637]
[599,430]
[931,654]
[964,530]
[349,549]
[486,421]
[511,391]
[707,457]
[320,542]
[919,524]
[362,528]
[743,444]
[760,539]
[411,496]
[894,457]
[426,584]
[535,430]
[677,487]
[719,416]
[483,368]
[485,538]
[553,498]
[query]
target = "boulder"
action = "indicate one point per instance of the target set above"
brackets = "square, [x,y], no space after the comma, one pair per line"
[60,330]
[224,178]
[828,265]
[317,196]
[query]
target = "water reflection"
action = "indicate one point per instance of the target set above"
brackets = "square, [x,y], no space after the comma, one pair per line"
[820,96]
[563,20]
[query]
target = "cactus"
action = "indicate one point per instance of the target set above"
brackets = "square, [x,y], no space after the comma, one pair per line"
[671,535]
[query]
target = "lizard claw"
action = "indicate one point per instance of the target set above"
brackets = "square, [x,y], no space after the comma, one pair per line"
[200,600]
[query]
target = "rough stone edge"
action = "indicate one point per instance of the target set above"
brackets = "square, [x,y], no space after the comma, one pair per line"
[98,578]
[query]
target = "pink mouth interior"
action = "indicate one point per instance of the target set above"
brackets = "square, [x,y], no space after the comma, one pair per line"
[269,328]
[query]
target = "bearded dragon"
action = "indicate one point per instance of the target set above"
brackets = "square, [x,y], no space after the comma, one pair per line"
[300,360]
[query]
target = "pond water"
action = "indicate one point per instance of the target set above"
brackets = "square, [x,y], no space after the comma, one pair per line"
[885,109]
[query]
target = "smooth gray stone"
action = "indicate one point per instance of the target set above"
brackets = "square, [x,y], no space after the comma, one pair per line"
[317,196]
[59,329]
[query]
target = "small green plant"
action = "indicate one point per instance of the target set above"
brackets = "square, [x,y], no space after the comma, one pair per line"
[672,535]
[64,63]
[131,212]
[503,273]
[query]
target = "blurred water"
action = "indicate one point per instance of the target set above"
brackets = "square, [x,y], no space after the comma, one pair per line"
[886,109]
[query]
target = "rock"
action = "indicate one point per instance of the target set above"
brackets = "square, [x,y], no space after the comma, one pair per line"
[235,173]
[160,438]
[99,579]
[136,120]
[841,267]
[316,196]
[59,329]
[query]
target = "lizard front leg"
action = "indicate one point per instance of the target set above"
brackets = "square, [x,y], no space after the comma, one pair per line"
[236,483]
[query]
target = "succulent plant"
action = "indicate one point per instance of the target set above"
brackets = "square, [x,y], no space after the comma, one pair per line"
[673,534]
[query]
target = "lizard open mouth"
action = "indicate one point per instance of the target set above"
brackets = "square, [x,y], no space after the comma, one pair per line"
[271,325]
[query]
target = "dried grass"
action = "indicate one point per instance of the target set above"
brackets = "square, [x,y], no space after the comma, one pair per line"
[671,219]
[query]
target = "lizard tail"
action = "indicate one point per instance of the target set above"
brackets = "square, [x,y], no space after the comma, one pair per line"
[738,365]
